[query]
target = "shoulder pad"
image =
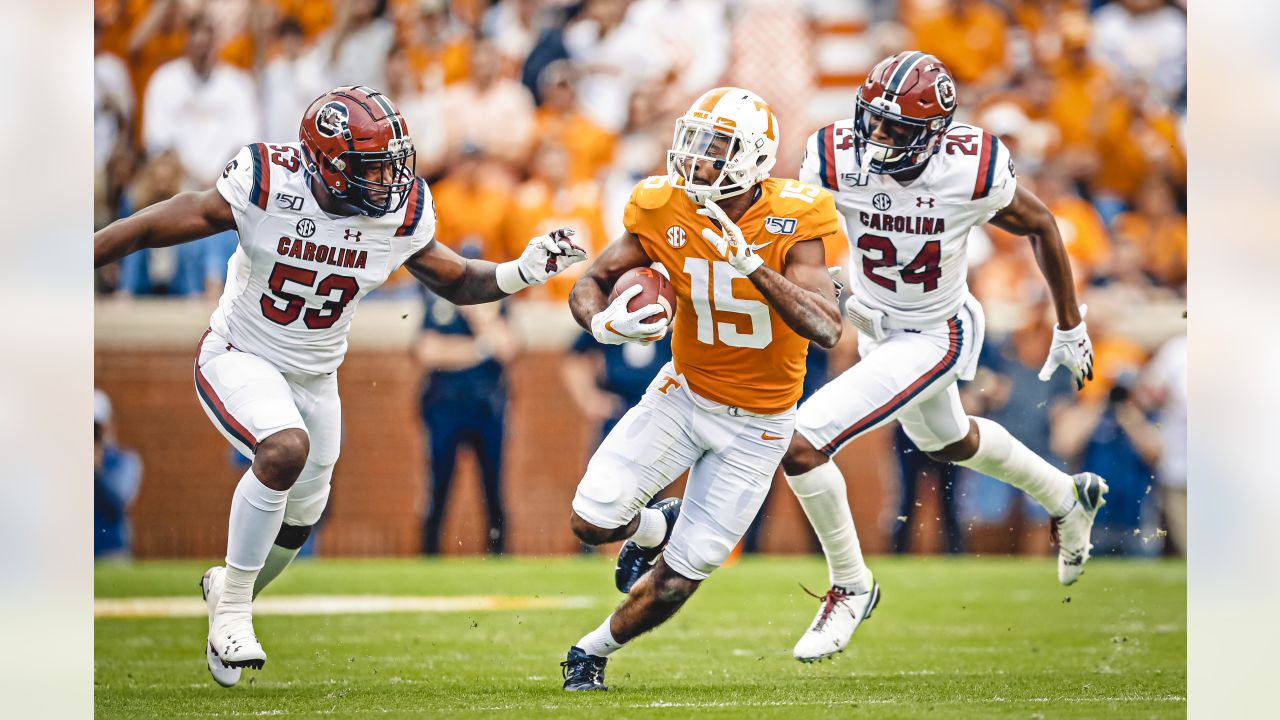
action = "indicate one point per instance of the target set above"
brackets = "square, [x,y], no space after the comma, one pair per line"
[652,192]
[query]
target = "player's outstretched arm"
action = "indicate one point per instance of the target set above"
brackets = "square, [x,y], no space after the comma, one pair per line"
[469,282]
[804,294]
[590,294]
[1027,216]
[182,218]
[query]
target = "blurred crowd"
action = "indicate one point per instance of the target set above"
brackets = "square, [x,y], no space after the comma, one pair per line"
[534,114]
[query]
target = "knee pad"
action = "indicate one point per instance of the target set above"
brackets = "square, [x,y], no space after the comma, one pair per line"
[695,555]
[604,499]
[292,537]
[309,496]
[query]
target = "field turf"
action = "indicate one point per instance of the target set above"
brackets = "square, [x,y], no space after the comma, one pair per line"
[952,638]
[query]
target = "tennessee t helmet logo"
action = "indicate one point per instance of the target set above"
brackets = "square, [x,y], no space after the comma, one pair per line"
[331,121]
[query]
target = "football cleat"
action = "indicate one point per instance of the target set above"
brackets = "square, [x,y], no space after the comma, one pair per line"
[1071,531]
[838,616]
[582,671]
[633,560]
[231,637]
[211,591]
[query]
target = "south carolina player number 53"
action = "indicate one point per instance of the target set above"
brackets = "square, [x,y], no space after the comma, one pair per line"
[315,318]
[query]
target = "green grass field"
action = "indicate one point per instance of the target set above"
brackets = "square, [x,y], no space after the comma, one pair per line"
[952,638]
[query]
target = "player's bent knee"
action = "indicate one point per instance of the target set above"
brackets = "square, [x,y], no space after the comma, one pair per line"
[280,458]
[801,456]
[672,587]
[954,452]
[589,533]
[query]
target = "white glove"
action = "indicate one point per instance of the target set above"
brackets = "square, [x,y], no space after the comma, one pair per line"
[1073,350]
[616,324]
[730,243]
[549,255]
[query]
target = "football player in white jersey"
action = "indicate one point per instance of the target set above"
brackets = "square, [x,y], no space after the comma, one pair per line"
[910,184]
[321,223]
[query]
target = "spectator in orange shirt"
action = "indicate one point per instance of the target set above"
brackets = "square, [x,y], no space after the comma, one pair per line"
[548,200]
[159,37]
[560,120]
[969,36]
[438,49]
[470,203]
[1158,230]
[1139,137]
[1081,85]
[1083,233]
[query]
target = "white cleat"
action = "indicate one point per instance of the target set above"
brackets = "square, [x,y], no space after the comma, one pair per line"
[1071,531]
[838,616]
[231,637]
[211,591]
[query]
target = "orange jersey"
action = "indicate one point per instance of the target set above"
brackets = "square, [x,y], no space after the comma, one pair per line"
[727,341]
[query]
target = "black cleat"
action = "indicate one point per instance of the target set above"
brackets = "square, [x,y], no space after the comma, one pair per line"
[582,671]
[633,560]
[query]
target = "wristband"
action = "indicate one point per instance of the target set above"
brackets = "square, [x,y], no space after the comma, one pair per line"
[510,279]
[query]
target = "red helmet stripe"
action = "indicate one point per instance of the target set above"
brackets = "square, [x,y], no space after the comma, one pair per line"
[986,165]
[261,176]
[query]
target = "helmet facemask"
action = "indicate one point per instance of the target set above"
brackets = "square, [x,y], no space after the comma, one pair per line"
[913,140]
[709,162]
[375,183]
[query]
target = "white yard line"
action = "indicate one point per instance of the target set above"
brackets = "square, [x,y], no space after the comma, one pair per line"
[191,606]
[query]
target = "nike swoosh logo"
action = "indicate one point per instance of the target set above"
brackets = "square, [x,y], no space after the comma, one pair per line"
[754,248]
[767,436]
[608,325]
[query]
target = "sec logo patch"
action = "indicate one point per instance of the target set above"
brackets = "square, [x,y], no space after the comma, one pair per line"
[881,201]
[676,237]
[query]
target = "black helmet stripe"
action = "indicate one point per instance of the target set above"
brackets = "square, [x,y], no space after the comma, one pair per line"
[894,85]
[390,112]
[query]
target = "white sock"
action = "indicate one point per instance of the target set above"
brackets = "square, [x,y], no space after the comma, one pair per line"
[1004,458]
[600,642]
[652,528]
[256,514]
[821,493]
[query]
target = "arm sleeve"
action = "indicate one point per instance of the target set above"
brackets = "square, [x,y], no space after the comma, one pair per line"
[1002,183]
[822,219]
[631,213]
[425,233]
[809,166]
[236,182]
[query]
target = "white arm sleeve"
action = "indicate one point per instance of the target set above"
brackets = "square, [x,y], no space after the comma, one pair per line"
[809,166]
[1003,184]
[236,182]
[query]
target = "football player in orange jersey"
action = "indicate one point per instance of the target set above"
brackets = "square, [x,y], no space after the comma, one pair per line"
[744,252]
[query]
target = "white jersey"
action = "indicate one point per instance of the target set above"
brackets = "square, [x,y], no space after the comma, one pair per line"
[907,242]
[294,282]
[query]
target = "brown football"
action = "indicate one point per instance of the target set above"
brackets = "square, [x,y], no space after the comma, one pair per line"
[656,290]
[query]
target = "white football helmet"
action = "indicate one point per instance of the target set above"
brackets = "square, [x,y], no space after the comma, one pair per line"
[723,146]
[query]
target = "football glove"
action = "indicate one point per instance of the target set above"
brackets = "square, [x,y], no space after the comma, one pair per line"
[616,324]
[1073,350]
[730,243]
[549,255]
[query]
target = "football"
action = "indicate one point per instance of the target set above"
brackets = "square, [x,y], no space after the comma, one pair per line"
[656,289]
